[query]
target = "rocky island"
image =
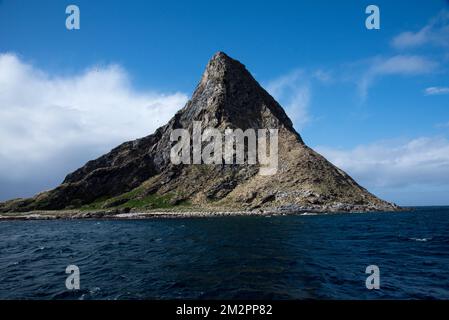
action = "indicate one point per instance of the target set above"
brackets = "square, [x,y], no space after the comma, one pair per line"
[137,178]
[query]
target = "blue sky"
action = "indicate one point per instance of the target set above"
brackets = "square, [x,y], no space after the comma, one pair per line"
[375,102]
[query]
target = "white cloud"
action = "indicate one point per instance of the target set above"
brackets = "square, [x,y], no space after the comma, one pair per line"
[435,33]
[292,91]
[410,39]
[403,65]
[323,76]
[392,164]
[45,118]
[436,91]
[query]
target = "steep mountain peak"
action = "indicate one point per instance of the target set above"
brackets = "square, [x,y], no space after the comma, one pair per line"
[221,66]
[220,55]
[222,59]
[139,174]
[228,95]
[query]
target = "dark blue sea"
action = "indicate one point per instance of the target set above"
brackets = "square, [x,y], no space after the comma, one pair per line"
[287,257]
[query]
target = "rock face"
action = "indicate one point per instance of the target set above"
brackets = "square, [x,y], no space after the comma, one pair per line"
[139,173]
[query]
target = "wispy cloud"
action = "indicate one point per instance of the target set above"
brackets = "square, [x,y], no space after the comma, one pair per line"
[323,76]
[391,164]
[436,91]
[49,122]
[436,32]
[442,125]
[402,65]
[405,65]
[293,93]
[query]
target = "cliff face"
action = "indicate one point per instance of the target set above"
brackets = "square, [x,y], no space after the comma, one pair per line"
[139,173]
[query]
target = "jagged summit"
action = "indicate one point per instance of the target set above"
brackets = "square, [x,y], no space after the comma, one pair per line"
[139,175]
[229,95]
[221,69]
[221,63]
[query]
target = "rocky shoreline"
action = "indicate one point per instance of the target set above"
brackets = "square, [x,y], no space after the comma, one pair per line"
[126,214]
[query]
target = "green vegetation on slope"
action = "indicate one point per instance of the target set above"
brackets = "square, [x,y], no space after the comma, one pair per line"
[136,199]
